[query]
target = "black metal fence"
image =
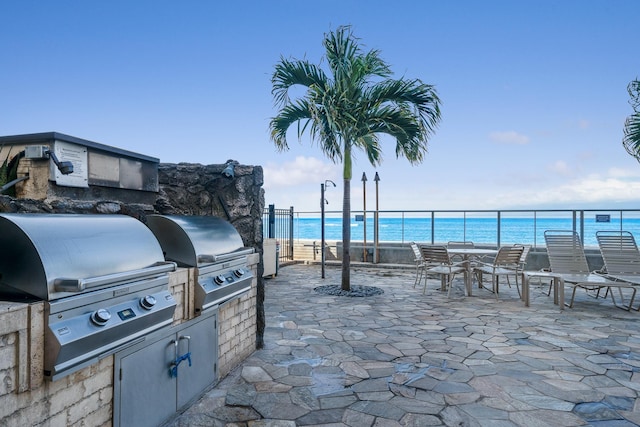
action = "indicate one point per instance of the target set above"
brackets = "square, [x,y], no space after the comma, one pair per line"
[278,224]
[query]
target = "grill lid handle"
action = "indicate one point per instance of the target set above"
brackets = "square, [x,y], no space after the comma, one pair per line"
[223,257]
[64,284]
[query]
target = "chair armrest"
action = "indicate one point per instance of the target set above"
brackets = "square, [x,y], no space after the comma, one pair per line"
[485,264]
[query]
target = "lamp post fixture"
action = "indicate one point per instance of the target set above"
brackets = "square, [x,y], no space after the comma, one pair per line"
[364,216]
[323,201]
[376,219]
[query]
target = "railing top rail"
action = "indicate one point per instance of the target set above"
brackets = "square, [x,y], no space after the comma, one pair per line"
[400,211]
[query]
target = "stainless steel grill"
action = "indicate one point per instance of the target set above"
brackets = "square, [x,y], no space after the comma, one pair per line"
[103,278]
[211,245]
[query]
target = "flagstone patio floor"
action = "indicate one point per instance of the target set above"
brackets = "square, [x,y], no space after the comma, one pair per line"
[404,358]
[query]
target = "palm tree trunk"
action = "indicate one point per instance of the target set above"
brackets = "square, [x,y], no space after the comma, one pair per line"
[346,236]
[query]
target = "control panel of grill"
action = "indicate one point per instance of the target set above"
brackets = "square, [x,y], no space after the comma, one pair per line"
[220,284]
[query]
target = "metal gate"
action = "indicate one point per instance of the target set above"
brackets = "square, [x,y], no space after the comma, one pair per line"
[278,224]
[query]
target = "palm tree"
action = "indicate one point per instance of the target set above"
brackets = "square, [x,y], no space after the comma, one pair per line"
[350,109]
[631,140]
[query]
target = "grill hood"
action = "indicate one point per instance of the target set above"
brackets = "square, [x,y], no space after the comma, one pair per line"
[192,241]
[51,256]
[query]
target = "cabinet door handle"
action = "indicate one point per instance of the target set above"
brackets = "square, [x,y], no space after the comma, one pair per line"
[173,368]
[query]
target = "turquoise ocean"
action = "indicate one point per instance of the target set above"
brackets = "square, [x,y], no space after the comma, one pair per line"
[477,230]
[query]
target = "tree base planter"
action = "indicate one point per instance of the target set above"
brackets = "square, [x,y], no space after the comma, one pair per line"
[356,291]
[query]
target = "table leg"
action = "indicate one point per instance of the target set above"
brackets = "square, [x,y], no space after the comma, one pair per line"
[559,283]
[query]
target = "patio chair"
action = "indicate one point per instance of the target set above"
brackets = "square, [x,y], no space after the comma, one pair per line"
[620,255]
[520,265]
[567,259]
[438,262]
[506,263]
[419,261]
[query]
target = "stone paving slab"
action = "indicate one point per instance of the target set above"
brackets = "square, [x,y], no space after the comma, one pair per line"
[404,358]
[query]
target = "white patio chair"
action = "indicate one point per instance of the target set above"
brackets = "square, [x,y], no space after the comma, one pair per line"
[419,261]
[520,266]
[438,262]
[505,263]
[620,255]
[567,259]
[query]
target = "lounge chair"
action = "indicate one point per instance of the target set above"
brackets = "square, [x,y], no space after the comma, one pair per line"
[620,255]
[419,261]
[437,261]
[506,263]
[567,260]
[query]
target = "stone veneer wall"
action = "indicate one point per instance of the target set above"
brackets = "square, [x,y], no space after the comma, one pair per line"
[195,189]
[237,322]
[85,398]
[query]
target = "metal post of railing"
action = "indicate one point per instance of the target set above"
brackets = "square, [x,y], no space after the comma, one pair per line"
[535,229]
[291,232]
[272,221]
[322,201]
[621,222]
[582,226]
[433,227]
[499,219]
[376,236]
[364,217]
[464,226]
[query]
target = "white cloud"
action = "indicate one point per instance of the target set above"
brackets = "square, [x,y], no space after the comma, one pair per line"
[509,137]
[624,173]
[614,186]
[301,171]
[559,167]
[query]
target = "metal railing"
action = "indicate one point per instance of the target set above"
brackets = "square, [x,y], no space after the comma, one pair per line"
[279,224]
[490,227]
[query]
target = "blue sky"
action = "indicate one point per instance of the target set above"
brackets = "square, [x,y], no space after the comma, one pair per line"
[533,92]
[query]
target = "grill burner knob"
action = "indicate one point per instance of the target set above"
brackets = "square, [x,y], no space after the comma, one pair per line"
[101,317]
[219,279]
[239,272]
[147,302]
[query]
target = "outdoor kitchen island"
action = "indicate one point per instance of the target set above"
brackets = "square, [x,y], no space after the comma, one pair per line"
[139,381]
[97,328]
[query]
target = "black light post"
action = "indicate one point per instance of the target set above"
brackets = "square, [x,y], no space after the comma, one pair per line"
[376,219]
[364,217]
[323,201]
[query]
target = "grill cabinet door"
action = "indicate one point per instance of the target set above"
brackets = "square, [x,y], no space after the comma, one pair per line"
[147,391]
[146,394]
[203,345]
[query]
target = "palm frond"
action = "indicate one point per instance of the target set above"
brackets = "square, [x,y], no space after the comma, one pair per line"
[296,112]
[290,73]
[422,97]
[631,139]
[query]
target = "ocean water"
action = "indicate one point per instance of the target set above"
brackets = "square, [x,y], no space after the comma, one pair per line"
[478,230]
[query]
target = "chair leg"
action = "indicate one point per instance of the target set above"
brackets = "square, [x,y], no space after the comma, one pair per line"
[573,295]
[419,270]
[479,278]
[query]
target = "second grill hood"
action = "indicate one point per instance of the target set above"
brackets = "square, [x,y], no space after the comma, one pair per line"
[194,240]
